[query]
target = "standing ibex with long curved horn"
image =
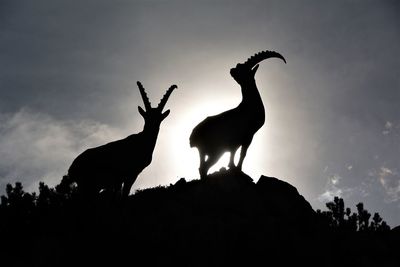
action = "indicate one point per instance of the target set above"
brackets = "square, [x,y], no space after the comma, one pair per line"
[235,128]
[117,164]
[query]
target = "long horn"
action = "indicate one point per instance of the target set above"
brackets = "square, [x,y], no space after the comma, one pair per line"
[146,100]
[164,99]
[257,58]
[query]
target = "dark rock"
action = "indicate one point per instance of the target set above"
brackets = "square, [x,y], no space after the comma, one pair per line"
[180,184]
[396,230]
[283,199]
[225,216]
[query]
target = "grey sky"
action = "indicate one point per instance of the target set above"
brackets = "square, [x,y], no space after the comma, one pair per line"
[68,71]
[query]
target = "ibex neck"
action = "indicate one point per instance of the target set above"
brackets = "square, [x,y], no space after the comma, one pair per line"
[251,95]
[150,133]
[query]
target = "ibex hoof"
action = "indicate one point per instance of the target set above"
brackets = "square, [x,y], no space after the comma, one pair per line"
[203,176]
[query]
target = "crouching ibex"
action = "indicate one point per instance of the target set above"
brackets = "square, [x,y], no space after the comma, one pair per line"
[228,131]
[116,165]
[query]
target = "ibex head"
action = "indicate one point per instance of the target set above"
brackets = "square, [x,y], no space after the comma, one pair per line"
[245,71]
[154,115]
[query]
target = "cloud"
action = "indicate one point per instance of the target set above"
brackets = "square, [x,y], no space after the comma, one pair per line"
[331,189]
[390,181]
[350,167]
[391,127]
[35,146]
[334,188]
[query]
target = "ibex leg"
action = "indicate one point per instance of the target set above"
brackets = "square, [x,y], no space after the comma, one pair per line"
[243,153]
[202,168]
[127,188]
[205,165]
[231,164]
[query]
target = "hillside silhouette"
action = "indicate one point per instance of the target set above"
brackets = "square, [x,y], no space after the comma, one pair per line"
[219,221]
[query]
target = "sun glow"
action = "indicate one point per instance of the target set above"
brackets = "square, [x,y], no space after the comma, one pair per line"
[173,157]
[195,100]
[186,159]
[183,154]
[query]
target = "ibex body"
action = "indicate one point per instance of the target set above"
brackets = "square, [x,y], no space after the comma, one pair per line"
[116,165]
[235,128]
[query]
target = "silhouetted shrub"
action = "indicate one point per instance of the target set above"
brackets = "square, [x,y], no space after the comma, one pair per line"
[340,218]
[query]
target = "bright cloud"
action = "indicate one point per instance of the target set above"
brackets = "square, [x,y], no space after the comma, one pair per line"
[390,181]
[391,127]
[36,147]
[334,187]
[350,167]
[331,189]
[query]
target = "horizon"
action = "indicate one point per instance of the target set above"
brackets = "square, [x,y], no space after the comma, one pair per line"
[69,72]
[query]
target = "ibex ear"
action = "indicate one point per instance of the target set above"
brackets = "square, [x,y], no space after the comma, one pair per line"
[165,114]
[141,111]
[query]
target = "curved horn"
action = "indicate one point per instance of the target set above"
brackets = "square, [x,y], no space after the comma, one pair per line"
[257,58]
[146,100]
[164,99]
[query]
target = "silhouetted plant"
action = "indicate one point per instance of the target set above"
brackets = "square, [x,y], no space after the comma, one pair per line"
[363,217]
[18,205]
[340,218]
[17,198]
[66,189]
[45,197]
[350,223]
[337,210]
[378,224]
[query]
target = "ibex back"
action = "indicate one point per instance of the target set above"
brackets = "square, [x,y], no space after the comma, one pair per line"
[235,128]
[115,166]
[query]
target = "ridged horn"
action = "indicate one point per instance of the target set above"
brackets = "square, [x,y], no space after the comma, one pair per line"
[164,99]
[258,57]
[146,100]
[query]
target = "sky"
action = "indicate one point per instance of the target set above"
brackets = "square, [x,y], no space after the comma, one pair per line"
[68,72]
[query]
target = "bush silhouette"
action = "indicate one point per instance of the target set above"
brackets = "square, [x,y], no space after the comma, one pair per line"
[340,218]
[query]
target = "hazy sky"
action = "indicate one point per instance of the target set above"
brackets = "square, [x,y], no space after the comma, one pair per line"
[68,72]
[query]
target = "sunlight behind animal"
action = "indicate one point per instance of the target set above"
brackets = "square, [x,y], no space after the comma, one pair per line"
[178,132]
[115,166]
[174,159]
[234,128]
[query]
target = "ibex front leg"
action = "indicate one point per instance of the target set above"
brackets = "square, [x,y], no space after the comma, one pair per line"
[202,169]
[206,164]
[127,188]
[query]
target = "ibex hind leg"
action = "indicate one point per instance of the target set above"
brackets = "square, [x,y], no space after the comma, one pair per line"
[243,153]
[231,164]
[202,164]
[114,193]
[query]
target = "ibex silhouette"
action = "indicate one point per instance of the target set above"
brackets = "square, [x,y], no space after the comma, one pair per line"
[236,127]
[116,165]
